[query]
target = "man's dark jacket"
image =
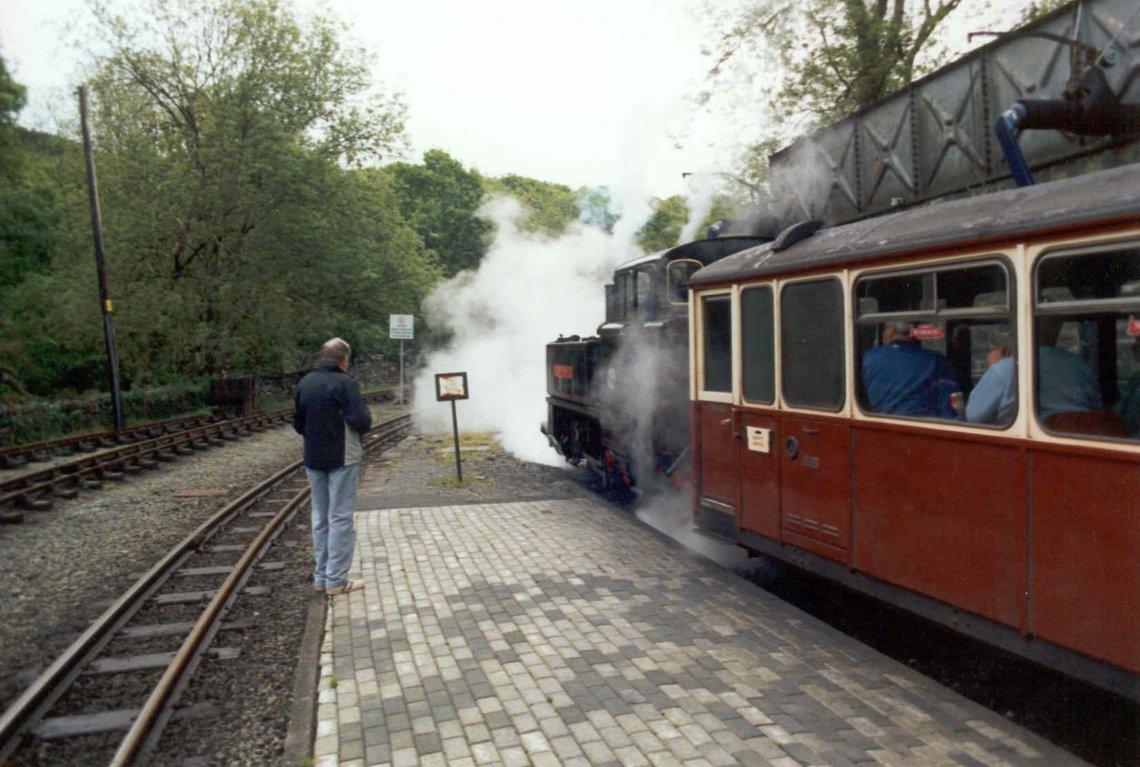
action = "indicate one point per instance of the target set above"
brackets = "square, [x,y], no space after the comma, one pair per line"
[330,414]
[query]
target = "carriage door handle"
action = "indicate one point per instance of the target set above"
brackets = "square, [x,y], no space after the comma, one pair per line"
[810,430]
[731,420]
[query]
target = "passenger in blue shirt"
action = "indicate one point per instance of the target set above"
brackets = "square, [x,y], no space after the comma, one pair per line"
[1066,383]
[902,378]
[994,398]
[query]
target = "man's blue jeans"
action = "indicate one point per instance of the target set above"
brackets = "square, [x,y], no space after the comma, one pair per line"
[334,537]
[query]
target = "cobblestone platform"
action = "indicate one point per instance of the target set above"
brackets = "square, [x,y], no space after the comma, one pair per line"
[562,632]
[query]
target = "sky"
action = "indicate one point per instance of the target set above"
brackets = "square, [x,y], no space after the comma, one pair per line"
[578,92]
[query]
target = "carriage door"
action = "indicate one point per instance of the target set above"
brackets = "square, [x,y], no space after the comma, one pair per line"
[815,459]
[717,443]
[760,443]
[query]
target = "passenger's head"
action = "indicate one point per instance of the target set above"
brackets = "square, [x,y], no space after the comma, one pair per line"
[898,330]
[336,351]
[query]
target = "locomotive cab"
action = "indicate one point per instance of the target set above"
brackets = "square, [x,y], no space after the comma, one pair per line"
[618,400]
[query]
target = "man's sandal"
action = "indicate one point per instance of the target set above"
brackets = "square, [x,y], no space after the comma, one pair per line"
[344,588]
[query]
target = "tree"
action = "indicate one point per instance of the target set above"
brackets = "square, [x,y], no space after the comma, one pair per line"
[216,122]
[664,226]
[12,96]
[595,208]
[12,99]
[549,207]
[831,58]
[439,199]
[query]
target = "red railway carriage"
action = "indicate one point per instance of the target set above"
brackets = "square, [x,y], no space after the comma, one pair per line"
[1016,523]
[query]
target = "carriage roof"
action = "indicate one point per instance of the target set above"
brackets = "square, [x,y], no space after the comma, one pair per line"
[1095,198]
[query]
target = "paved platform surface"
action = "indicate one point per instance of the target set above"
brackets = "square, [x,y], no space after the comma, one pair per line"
[564,632]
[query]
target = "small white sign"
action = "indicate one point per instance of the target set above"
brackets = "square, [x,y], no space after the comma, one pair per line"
[401,326]
[758,439]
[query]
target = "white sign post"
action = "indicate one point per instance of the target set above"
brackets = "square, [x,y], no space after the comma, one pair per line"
[401,326]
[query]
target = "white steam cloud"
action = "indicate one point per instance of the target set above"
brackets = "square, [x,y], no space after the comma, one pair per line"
[527,291]
[702,192]
[670,514]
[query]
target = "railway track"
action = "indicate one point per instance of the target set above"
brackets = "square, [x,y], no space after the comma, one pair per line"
[107,698]
[18,456]
[111,456]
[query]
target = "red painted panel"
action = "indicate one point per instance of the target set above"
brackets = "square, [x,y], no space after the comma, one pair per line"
[815,484]
[1085,563]
[720,453]
[760,477]
[943,517]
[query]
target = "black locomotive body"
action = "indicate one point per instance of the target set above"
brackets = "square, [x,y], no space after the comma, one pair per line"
[619,400]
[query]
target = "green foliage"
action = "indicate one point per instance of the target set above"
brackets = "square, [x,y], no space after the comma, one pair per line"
[595,208]
[724,207]
[12,99]
[439,199]
[12,96]
[29,218]
[239,231]
[830,58]
[550,208]
[1039,8]
[37,421]
[664,226]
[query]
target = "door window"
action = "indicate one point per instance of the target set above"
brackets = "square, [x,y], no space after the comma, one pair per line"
[716,343]
[758,345]
[812,345]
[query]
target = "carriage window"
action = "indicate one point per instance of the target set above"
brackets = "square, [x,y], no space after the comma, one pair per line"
[679,273]
[758,345]
[1087,331]
[717,342]
[811,344]
[937,343]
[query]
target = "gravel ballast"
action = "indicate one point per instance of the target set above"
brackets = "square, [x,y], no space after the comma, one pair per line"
[61,567]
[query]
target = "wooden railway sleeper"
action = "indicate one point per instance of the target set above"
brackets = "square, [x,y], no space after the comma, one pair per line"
[35,503]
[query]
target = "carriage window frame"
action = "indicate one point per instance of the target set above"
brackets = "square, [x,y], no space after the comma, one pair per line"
[672,288]
[791,383]
[1002,318]
[767,369]
[727,358]
[1084,312]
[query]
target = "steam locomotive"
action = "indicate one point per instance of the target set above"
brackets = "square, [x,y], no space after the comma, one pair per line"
[619,400]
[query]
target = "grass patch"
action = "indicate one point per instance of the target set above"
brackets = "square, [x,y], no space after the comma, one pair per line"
[466,439]
[472,446]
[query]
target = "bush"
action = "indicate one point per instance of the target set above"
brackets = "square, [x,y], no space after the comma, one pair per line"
[38,421]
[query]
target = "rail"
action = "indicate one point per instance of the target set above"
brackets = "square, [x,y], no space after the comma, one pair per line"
[36,490]
[145,725]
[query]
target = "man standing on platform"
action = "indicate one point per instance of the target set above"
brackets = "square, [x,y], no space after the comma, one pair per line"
[330,414]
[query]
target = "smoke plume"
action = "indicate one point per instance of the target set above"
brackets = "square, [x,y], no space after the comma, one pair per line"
[527,291]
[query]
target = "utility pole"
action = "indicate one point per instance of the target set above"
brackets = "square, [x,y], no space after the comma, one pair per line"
[100,264]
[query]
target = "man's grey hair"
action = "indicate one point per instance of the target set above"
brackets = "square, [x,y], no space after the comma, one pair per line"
[335,350]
